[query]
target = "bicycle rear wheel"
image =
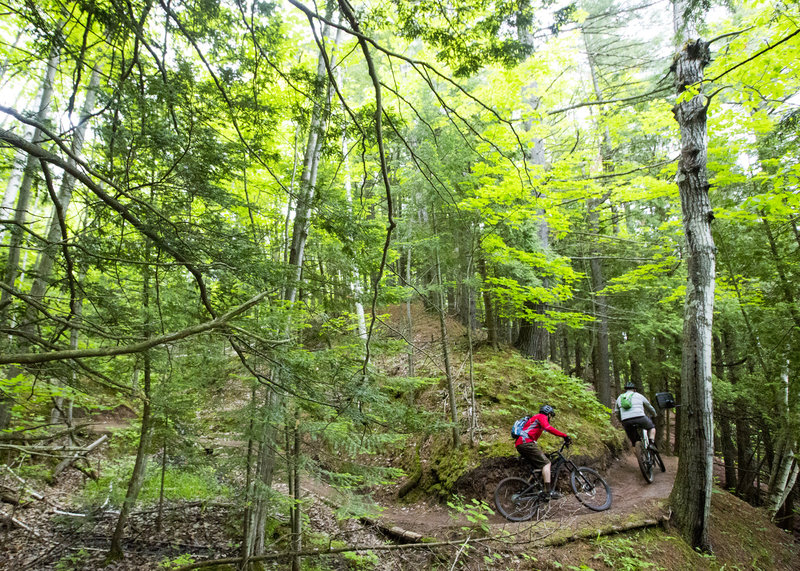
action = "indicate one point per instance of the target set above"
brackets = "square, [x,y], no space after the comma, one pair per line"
[657,457]
[517,499]
[590,488]
[645,459]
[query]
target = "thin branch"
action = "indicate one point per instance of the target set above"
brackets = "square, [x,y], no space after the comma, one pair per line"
[217,323]
[348,13]
[754,56]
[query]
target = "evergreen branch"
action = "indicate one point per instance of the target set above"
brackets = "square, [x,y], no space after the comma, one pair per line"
[73,170]
[217,323]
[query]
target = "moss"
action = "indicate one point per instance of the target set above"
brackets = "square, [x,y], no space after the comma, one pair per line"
[509,386]
[448,465]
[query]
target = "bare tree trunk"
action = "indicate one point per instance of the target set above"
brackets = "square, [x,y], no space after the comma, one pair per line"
[55,231]
[691,495]
[564,337]
[446,351]
[409,320]
[308,176]
[24,191]
[473,405]
[145,435]
[784,468]
[355,281]
[724,415]
[489,318]
[599,300]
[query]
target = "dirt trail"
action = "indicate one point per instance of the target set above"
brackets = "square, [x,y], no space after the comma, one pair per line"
[633,499]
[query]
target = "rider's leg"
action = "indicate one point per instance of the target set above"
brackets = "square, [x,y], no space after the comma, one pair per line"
[546,476]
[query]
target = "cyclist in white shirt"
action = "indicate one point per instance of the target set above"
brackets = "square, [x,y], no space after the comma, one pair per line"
[630,408]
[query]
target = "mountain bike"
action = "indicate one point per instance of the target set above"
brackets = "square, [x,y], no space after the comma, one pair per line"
[520,499]
[647,455]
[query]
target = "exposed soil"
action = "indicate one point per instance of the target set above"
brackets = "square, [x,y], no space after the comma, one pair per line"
[631,495]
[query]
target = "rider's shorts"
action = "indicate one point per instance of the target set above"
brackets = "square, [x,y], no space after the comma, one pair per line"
[631,426]
[533,454]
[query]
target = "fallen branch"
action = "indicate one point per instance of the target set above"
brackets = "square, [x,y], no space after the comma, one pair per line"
[14,522]
[591,532]
[25,486]
[13,436]
[320,552]
[80,454]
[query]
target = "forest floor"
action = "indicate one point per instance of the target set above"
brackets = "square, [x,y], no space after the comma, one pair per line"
[35,536]
[633,500]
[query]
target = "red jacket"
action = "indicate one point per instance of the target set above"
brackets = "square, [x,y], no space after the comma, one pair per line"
[534,428]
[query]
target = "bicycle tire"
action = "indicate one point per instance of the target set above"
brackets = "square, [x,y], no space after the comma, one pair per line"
[590,488]
[659,461]
[645,462]
[517,499]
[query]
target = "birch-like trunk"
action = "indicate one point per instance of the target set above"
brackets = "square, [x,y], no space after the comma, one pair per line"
[23,194]
[355,281]
[44,264]
[691,495]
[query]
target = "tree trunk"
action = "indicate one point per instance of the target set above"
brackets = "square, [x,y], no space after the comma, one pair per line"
[617,361]
[308,176]
[296,512]
[355,280]
[451,393]
[145,435]
[44,264]
[256,514]
[488,306]
[724,414]
[409,320]
[691,495]
[24,191]
[562,330]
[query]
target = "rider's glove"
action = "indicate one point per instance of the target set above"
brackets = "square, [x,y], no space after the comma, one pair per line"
[567,440]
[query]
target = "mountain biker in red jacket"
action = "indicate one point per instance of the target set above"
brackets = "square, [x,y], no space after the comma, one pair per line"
[529,449]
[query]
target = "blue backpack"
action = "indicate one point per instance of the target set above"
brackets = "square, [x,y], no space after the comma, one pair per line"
[516,429]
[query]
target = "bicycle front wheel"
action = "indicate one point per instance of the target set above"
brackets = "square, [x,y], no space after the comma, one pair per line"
[590,488]
[517,499]
[645,459]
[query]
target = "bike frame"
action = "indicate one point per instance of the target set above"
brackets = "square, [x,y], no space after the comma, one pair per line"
[558,463]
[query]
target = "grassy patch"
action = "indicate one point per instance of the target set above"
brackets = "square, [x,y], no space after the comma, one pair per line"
[195,483]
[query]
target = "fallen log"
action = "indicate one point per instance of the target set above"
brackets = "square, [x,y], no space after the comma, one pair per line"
[66,462]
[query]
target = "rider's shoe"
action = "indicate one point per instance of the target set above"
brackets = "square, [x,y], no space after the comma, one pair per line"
[544,496]
[555,495]
[653,447]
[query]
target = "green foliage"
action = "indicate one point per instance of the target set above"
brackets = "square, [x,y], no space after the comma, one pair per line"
[361,561]
[180,483]
[73,561]
[175,562]
[476,511]
[629,553]
[449,465]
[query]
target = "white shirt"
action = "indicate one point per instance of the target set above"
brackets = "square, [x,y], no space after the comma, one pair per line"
[638,405]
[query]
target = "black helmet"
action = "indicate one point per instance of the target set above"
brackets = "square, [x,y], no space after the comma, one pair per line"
[548,410]
[630,385]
